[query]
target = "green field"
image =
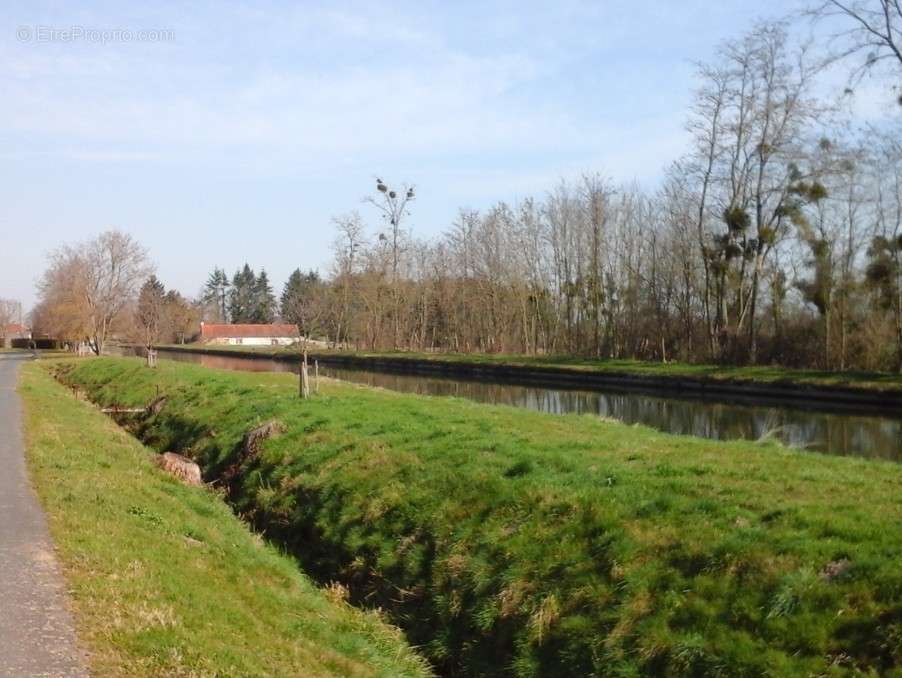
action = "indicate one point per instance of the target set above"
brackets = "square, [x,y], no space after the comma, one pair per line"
[165,580]
[504,540]
[759,374]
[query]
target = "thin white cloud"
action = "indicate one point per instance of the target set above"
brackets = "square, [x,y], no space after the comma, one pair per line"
[455,102]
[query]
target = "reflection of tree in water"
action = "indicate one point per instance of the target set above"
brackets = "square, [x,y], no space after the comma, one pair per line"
[843,434]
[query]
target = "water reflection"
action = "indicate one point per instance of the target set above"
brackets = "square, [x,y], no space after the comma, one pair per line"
[839,432]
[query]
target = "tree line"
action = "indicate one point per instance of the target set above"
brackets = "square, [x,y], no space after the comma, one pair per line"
[105,288]
[163,316]
[249,298]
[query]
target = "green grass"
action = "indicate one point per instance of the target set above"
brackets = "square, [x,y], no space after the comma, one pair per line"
[165,580]
[50,353]
[761,374]
[504,540]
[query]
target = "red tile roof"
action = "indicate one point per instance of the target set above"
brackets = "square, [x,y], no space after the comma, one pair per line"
[216,331]
[14,328]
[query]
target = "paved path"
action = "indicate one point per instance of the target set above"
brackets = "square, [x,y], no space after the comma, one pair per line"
[36,636]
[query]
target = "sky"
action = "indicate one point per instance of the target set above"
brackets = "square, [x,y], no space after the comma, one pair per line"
[224,133]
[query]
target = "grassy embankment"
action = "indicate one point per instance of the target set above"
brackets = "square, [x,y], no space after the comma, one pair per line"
[759,374]
[551,545]
[165,580]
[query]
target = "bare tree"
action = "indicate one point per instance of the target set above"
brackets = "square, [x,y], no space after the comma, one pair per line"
[394,208]
[347,248]
[884,271]
[88,286]
[750,128]
[180,317]
[596,198]
[872,28]
[10,313]
[150,311]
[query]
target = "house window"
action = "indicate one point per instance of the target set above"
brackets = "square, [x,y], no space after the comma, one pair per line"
[239,340]
[275,342]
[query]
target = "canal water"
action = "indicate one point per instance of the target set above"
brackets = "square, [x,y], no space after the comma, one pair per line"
[819,427]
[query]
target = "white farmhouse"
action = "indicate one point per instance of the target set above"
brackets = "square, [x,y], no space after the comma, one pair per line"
[249,335]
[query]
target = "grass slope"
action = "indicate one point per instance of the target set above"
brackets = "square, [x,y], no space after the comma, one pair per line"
[165,580]
[506,540]
[761,374]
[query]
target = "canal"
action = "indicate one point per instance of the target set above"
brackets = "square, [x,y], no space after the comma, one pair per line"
[820,427]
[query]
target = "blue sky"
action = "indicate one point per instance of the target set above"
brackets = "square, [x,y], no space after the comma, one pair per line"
[241,136]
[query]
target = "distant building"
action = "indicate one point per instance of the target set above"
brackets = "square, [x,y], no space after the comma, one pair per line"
[249,335]
[12,332]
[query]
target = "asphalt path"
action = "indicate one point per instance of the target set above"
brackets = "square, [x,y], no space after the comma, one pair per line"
[37,636]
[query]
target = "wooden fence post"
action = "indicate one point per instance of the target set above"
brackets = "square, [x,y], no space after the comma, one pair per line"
[305,382]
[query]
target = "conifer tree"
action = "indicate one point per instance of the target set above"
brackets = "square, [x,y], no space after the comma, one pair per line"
[242,295]
[264,301]
[216,294]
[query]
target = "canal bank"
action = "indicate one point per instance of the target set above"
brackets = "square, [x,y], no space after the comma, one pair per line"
[885,398]
[829,426]
[561,545]
[163,578]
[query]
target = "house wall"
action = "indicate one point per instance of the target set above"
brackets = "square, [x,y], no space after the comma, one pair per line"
[253,341]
